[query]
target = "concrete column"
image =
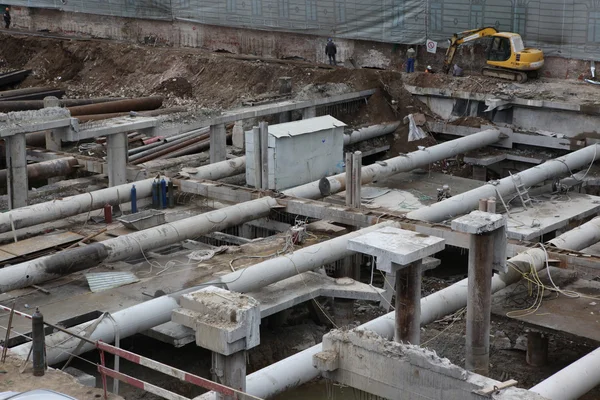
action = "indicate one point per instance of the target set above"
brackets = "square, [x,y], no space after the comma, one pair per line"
[54,143]
[218,143]
[53,140]
[257,161]
[537,349]
[349,191]
[309,112]
[343,311]
[486,251]
[230,371]
[479,303]
[16,168]
[389,285]
[284,117]
[408,304]
[116,157]
[237,135]
[264,153]
[401,251]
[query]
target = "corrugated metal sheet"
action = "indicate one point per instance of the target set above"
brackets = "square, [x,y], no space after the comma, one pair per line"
[100,281]
[304,126]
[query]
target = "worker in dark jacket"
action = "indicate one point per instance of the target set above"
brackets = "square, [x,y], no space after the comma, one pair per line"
[7,18]
[330,51]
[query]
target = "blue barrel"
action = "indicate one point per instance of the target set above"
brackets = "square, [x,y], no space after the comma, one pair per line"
[133,200]
[163,192]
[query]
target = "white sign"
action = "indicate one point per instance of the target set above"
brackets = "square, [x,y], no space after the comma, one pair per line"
[431,46]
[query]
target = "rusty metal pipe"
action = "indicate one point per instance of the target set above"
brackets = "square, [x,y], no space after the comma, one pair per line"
[46,169]
[23,105]
[192,149]
[168,150]
[152,151]
[139,104]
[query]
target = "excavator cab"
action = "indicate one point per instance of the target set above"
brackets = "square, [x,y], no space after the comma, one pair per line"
[507,57]
[499,50]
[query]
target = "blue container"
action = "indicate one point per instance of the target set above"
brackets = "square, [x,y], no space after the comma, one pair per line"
[133,200]
[163,192]
[155,194]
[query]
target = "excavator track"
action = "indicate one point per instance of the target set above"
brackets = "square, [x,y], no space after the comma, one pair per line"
[504,73]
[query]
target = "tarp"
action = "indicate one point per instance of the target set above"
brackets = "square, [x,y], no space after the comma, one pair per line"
[567,28]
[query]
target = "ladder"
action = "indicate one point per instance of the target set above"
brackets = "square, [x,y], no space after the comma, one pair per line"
[521,191]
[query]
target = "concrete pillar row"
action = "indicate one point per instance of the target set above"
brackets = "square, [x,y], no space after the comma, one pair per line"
[16,166]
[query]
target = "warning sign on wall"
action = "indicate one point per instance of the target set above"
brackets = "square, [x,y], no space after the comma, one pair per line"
[431,46]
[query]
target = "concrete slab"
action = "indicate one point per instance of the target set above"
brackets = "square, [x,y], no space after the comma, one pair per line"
[575,316]
[478,222]
[395,245]
[551,214]
[281,296]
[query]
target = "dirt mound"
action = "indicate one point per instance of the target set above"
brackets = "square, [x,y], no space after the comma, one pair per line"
[177,87]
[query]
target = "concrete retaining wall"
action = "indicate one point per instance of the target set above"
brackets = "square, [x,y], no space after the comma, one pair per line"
[255,42]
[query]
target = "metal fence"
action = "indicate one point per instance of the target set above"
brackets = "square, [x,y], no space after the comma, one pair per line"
[567,28]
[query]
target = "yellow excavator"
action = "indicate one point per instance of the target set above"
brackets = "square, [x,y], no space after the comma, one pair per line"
[507,57]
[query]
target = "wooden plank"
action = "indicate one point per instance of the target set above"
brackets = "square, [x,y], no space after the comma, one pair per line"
[493,389]
[39,243]
[5,256]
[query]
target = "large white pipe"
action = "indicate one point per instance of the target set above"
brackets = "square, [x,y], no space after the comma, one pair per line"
[298,369]
[221,169]
[74,205]
[467,201]
[154,312]
[370,132]
[579,238]
[392,166]
[120,248]
[573,381]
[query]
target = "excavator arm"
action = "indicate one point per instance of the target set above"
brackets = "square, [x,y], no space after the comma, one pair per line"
[459,38]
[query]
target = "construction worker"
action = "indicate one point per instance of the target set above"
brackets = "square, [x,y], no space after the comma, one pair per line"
[429,70]
[410,60]
[330,51]
[7,18]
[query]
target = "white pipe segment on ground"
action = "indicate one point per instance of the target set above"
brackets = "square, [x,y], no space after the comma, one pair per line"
[579,238]
[370,132]
[154,312]
[573,381]
[402,163]
[298,369]
[221,169]
[465,202]
[120,248]
[74,205]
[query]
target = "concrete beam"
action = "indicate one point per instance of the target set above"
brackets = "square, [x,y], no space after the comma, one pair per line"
[366,361]
[584,263]
[111,127]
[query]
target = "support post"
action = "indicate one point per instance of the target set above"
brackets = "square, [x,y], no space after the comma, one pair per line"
[401,252]
[349,191]
[218,143]
[389,285]
[117,158]
[356,177]
[16,168]
[408,304]
[479,303]
[264,153]
[257,157]
[537,349]
[284,117]
[230,371]
[486,252]
[309,112]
